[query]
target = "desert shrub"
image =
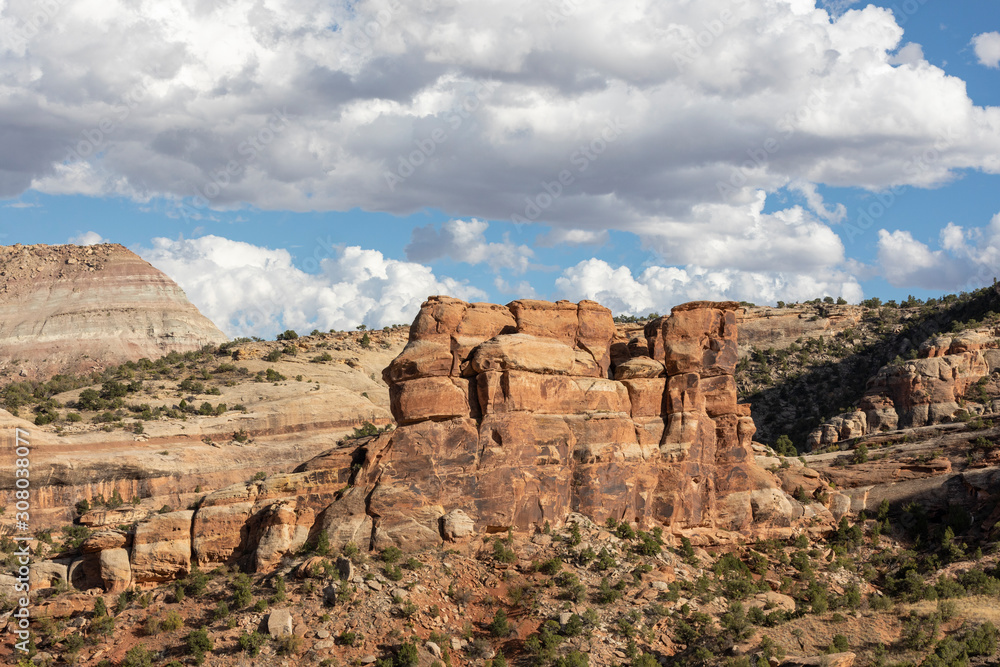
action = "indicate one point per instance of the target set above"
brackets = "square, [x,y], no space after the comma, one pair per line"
[251,642]
[499,626]
[502,552]
[735,622]
[138,656]
[242,591]
[198,644]
[551,566]
[172,621]
[784,447]
[221,611]
[605,561]
[606,594]
[982,640]
[919,632]
[624,531]
[289,644]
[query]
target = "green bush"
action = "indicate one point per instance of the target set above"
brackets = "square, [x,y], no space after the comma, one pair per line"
[551,566]
[138,656]
[172,621]
[198,644]
[606,594]
[502,553]
[499,626]
[242,591]
[251,642]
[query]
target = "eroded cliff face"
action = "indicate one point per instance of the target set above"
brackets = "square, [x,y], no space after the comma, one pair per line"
[71,309]
[519,415]
[510,417]
[953,374]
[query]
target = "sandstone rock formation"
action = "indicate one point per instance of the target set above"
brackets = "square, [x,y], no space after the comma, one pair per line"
[765,327]
[931,389]
[510,417]
[70,308]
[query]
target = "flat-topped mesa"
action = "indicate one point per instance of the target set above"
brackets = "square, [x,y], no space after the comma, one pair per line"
[516,415]
[66,308]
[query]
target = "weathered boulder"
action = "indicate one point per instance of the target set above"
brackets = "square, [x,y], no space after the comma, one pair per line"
[46,573]
[116,570]
[279,623]
[161,547]
[534,354]
[456,525]
[432,397]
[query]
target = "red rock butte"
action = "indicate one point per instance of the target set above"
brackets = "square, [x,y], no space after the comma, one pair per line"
[519,415]
[76,308]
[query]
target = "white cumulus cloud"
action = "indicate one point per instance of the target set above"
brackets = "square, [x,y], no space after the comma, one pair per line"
[604,119]
[465,241]
[964,257]
[88,238]
[658,288]
[251,290]
[987,47]
[910,54]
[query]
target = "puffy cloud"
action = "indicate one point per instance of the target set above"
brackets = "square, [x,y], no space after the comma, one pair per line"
[477,109]
[466,242]
[659,288]
[743,237]
[965,258]
[816,203]
[252,290]
[911,54]
[88,238]
[557,236]
[987,47]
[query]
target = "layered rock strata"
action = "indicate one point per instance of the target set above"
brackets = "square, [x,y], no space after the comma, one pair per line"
[72,308]
[510,417]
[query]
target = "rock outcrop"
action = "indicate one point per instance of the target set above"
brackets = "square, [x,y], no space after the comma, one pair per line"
[520,415]
[510,417]
[763,327]
[932,389]
[69,308]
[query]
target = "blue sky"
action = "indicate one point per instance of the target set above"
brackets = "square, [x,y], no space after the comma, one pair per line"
[302,173]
